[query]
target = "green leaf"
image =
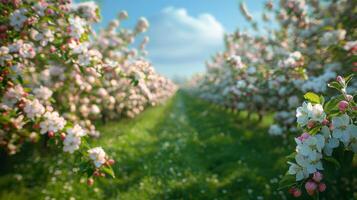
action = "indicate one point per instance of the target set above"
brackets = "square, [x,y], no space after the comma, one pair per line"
[312,97]
[315,130]
[322,99]
[348,78]
[134,82]
[5,119]
[83,167]
[287,181]
[333,161]
[108,170]
[333,104]
[20,79]
[291,156]
[335,85]
[89,171]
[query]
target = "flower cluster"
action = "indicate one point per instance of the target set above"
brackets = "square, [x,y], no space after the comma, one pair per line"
[330,127]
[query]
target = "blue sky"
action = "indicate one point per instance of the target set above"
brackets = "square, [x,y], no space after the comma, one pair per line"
[183,33]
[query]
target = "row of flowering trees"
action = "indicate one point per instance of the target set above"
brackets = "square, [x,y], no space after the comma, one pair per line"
[311,43]
[57,77]
[308,45]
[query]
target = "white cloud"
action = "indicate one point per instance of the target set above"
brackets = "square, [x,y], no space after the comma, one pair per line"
[178,39]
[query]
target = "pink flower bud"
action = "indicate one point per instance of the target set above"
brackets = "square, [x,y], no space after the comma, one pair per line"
[331,127]
[96,173]
[3,36]
[317,177]
[310,187]
[340,79]
[52,49]
[322,187]
[63,136]
[292,190]
[50,12]
[111,162]
[90,182]
[297,193]
[3,28]
[310,124]
[349,97]
[303,137]
[51,134]
[343,105]
[325,122]
[36,126]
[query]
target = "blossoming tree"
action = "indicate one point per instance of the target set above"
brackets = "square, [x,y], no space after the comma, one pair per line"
[306,48]
[54,80]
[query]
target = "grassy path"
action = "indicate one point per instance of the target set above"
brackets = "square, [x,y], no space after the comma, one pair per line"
[185,149]
[190,149]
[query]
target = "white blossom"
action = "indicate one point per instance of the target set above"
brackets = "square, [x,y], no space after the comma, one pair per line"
[98,156]
[43,93]
[18,18]
[72,140]
[34,109]
[52,122]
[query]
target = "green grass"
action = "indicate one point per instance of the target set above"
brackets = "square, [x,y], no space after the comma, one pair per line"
[185,149]
[190,149]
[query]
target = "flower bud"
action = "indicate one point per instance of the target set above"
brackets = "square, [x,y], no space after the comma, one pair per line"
[51,134]
[111,162]
[325,122]
[310,124]
[322,187]
[3,36]
[36,126]
[90,181]
[317,177]
[52,49]
[349,97]
[50,12]
[96,173]
[3,28]
[310,187]
[292,190]
[21,105]
[63,136]
[331,127]
[340,79]
[303,137]
[297,193]
[343,105]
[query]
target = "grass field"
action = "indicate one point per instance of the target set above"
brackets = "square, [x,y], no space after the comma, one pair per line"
[185,149]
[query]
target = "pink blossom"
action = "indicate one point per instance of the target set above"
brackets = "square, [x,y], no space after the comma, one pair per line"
[310,187]
[303,137]
[317,177]
[343,105]
[322,187]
